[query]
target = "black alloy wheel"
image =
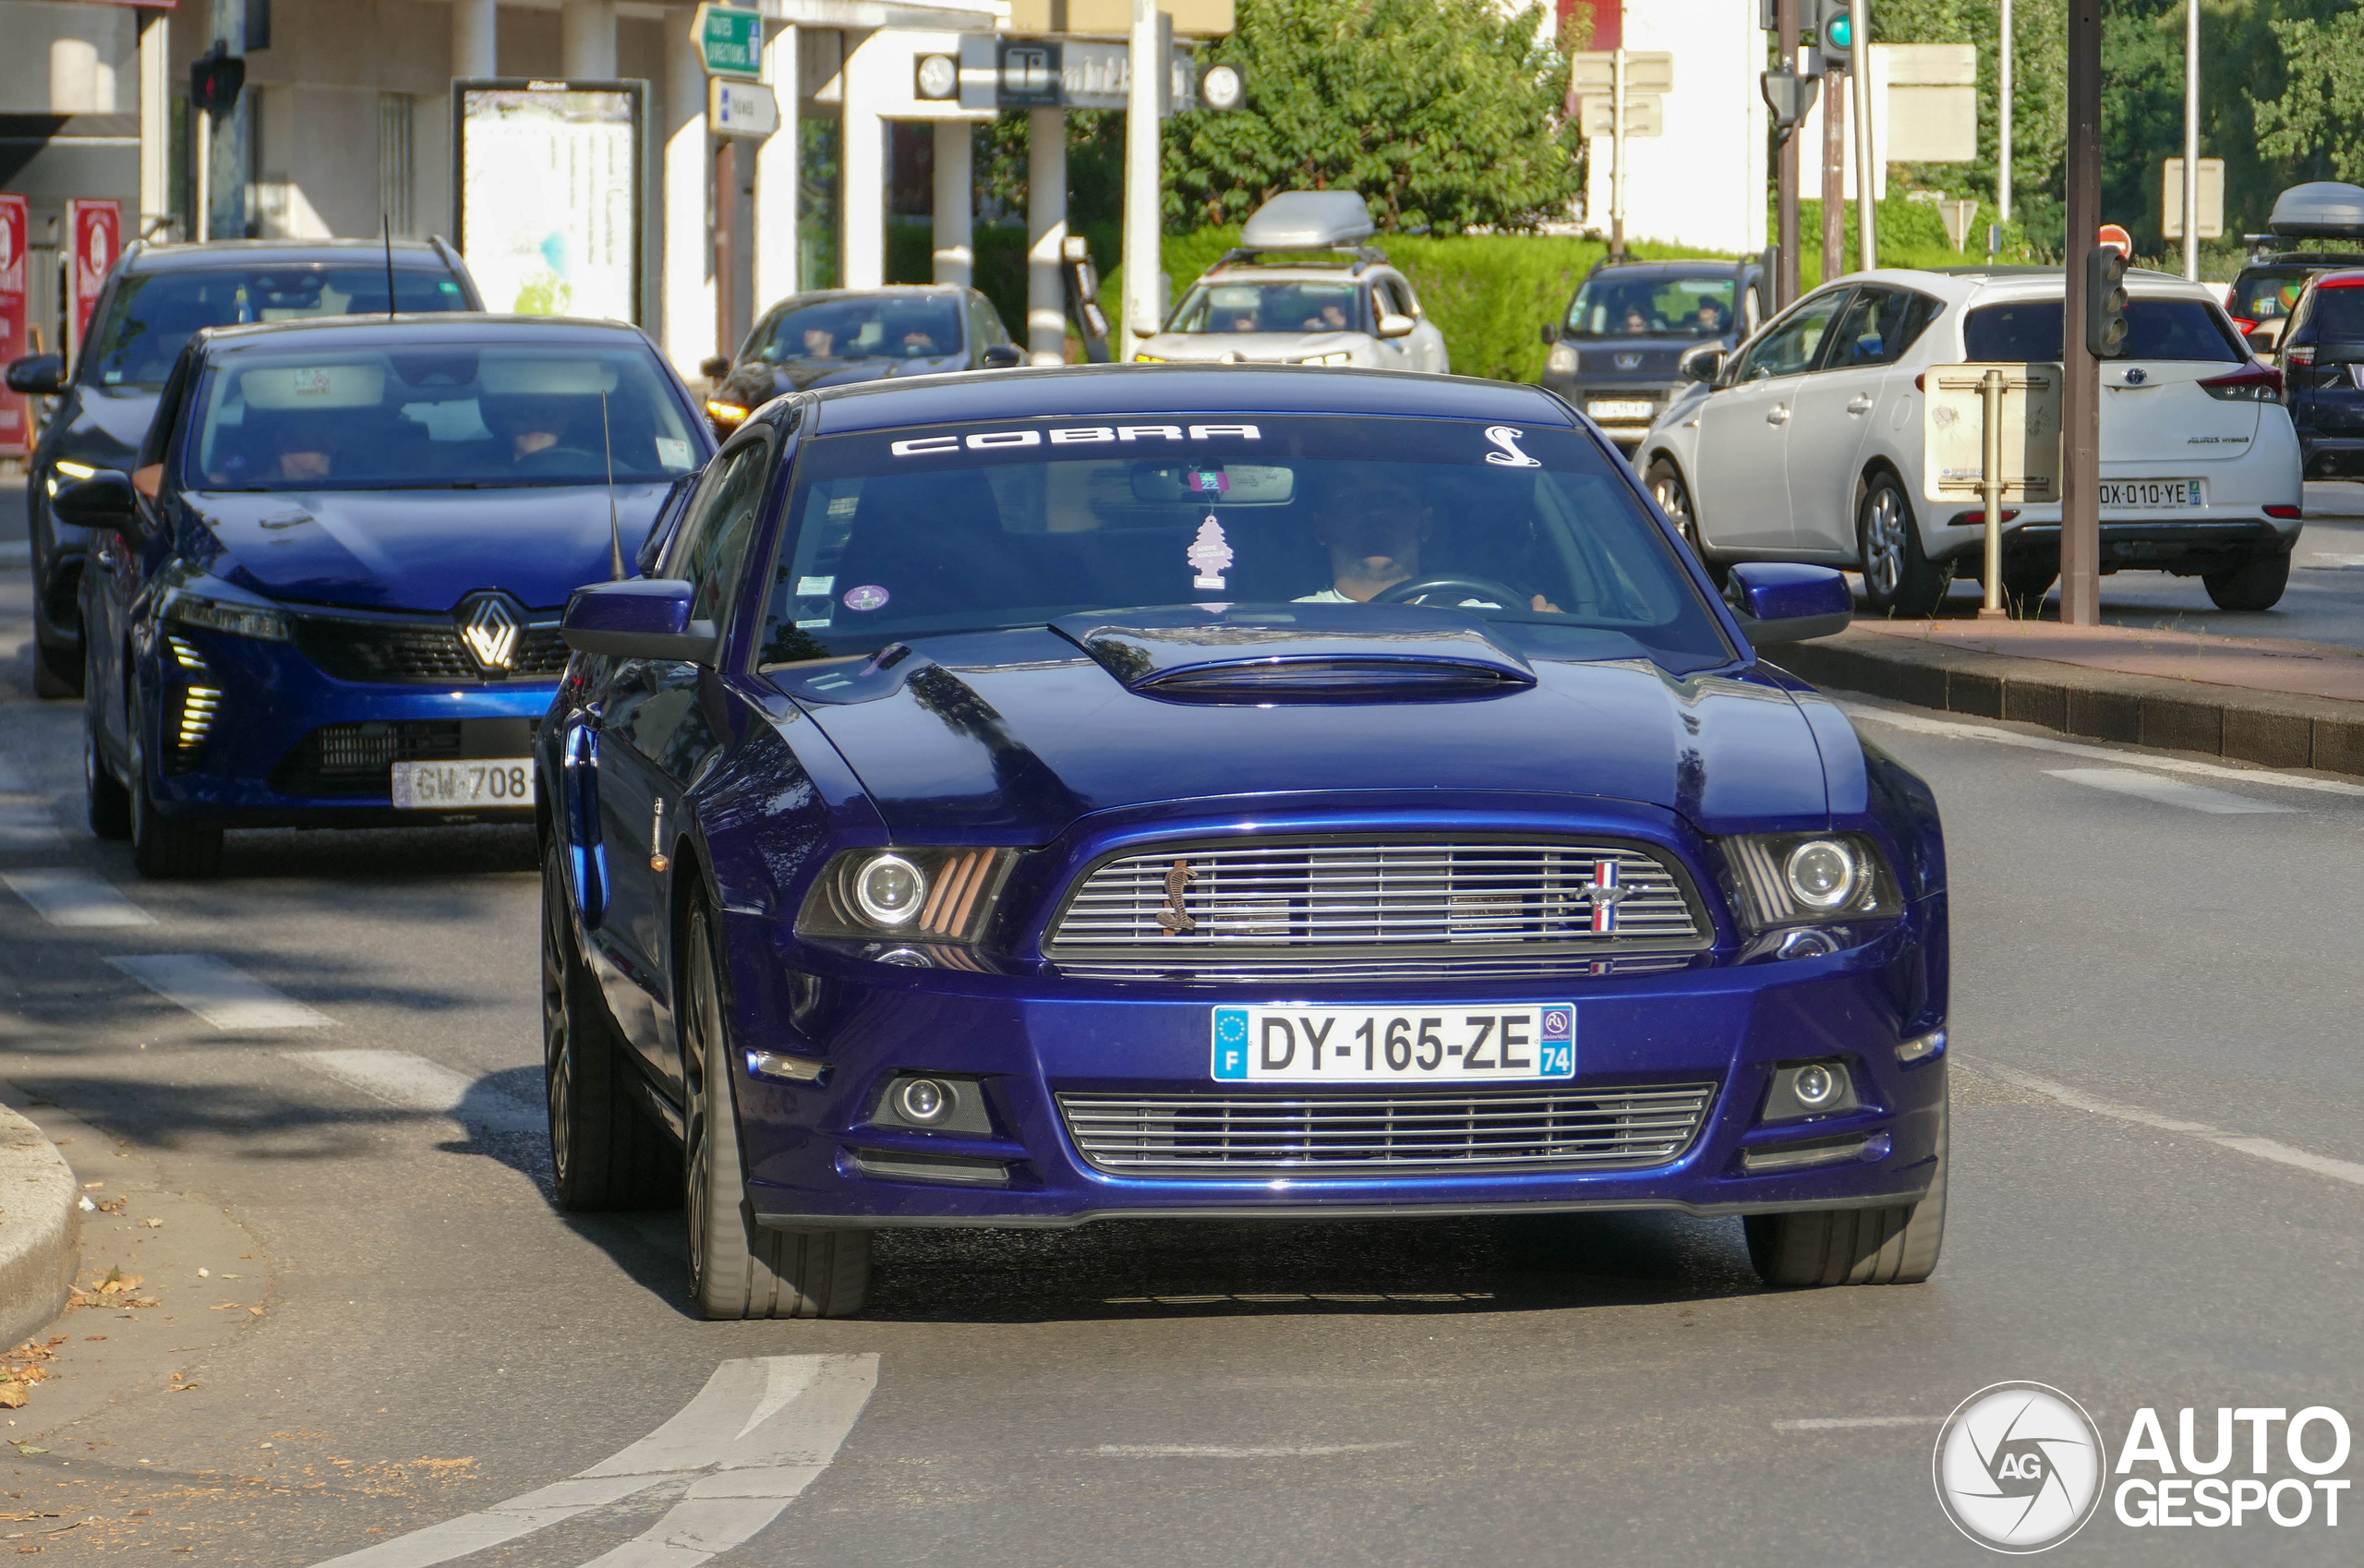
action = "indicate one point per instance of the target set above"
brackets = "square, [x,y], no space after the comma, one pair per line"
[605,1152]
[738,1269]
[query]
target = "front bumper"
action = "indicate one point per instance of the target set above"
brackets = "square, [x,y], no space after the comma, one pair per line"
[1582,391]
[820,1155]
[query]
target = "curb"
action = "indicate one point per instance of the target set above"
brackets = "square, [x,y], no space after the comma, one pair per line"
[2271,729]
[41,1229]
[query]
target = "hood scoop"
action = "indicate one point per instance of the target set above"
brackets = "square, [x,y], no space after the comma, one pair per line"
[1299,653]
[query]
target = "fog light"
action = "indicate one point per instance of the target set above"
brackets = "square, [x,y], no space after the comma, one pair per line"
[1815,1087]
[923,1099]
[1810,1088]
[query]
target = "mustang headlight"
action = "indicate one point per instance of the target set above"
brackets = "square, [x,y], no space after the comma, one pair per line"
[224,615]
[1804,878]
[908,895]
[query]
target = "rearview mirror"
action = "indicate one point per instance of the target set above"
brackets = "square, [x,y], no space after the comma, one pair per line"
[1002,356]
[1391,325]
[42,375]
[1783,602]
[713,369]
[645,618]
[105,500]
[1702,364]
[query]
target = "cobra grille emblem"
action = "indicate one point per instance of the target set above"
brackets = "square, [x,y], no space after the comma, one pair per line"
[1629,362]
[1174,917]
[491,629]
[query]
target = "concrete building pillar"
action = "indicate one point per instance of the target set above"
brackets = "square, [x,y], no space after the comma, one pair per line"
[475,35]
[155,123]
[686,286]
[1046,235]
[861,198]
[778,175]
[955,256]
[586,33]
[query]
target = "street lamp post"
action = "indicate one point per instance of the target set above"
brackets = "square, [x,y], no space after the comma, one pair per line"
[2191,140]
[1141,193]
[2080,399]
[2003,119]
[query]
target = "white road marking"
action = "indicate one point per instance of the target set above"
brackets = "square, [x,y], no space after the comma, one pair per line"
[219,992]
[1952,729]
[2239,1142]
[2165,792]
[2331,563]
[1848,1423]
[413,1084]
[76,898]
[27,825]
[1221,1451]
[757,1435]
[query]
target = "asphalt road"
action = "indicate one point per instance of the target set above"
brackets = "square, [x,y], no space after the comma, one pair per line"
[368,1320]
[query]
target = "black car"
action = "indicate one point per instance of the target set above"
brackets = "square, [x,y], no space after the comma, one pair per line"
[1617,352]
[2322,358]
[154,300]
[835,337]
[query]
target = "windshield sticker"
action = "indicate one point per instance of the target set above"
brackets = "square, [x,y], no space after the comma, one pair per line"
[1510,456]
[1072,435]
[672,451]
[1209,555]
[815,587]
[870,595]
[312,383]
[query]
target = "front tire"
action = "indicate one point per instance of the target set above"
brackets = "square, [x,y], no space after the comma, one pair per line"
[1664,481]
[738,1269]
[1895,1245]
[163,849]
[604,1151]
[106,801]
[57,672]
[2256,583]
[1899,580]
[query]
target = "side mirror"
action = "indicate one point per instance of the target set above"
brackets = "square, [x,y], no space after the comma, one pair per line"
[1002,356]
[1550,333]
[42,375]
[1702,364]
[1781,602]
[105,500]
[1391,325]
[645,618]
[715,368]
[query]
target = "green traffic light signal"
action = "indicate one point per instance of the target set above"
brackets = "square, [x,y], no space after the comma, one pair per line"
[1842,31]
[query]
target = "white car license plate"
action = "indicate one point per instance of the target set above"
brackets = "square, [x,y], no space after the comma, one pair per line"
[2152,492]
[1424,1042]
[1608,410]
[462,786]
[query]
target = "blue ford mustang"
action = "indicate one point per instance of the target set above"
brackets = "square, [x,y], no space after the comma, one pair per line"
[328,593]
[1096,793]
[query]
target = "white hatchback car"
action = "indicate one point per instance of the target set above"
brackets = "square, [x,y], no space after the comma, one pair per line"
[1806,441]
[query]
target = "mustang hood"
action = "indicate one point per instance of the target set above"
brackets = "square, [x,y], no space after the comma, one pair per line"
[1021,732]
[423,549]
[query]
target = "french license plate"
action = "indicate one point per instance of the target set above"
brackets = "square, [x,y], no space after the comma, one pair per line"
[464,785]
[1609,410]
[1428,1043]
[2150,492]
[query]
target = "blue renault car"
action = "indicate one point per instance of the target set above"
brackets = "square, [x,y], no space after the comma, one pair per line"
[328,593]
[1101,793]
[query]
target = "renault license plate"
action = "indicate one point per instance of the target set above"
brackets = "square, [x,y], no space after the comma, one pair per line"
[464,785]
[1425,1043]
[2151,493]
[1606,409]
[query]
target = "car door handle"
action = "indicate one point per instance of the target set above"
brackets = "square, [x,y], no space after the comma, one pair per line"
[1777,414]
[1863,405]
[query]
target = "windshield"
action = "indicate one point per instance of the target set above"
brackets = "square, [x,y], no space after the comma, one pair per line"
[1610,305]
[1317,307]
[461,415]
[153,314]
[2156,329]
[901,534]
[877,326]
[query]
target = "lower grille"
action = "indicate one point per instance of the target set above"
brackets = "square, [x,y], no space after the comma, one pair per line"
[1230,968]
[419,650]
[358,760]
[1592,1129]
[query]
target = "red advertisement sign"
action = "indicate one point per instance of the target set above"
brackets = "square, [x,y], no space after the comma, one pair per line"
[97,228]
[16,409]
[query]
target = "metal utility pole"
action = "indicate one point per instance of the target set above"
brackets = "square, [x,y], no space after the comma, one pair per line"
[1834,174]
[2191,140]
[1868,236]
[2080,401]
[1143,196]
[1785,287]
[1617,155]
[2003,120]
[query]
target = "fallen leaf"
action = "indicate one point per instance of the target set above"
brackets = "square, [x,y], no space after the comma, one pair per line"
[28,1448]
[256,1311]
[114,1206]
[153,1224]
[13,1396]
[182,1388]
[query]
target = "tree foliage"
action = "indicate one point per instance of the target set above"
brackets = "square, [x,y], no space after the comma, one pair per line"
[2317,123]
[1443,114]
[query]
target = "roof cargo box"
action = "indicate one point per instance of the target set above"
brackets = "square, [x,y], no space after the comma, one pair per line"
[2323,208]
[1323,220]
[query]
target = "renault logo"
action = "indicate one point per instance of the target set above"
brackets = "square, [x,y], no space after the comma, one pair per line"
[492,629]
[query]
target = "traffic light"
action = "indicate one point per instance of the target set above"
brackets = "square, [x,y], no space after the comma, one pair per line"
[2104,302]
[214,81]
[1835,33]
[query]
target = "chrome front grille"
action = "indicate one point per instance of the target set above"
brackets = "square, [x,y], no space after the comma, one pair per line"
[1317,910]
[1181,1135]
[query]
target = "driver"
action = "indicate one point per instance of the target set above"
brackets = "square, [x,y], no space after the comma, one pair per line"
[535,430]
[1374,526]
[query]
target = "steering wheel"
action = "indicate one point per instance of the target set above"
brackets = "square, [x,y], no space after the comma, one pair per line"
[1485,588]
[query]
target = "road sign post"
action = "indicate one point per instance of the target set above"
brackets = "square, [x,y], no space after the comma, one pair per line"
[1992,432]
[1634,82]
[2081,500]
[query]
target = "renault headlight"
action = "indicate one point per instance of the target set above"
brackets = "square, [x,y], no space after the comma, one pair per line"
[225,615]
[1804,878]
[906,895]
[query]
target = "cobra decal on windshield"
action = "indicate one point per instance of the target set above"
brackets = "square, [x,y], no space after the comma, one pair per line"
[1504,437]
[1071,434]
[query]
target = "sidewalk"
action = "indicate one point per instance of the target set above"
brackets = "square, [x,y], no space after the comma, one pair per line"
[41,1228]
[2278,703]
